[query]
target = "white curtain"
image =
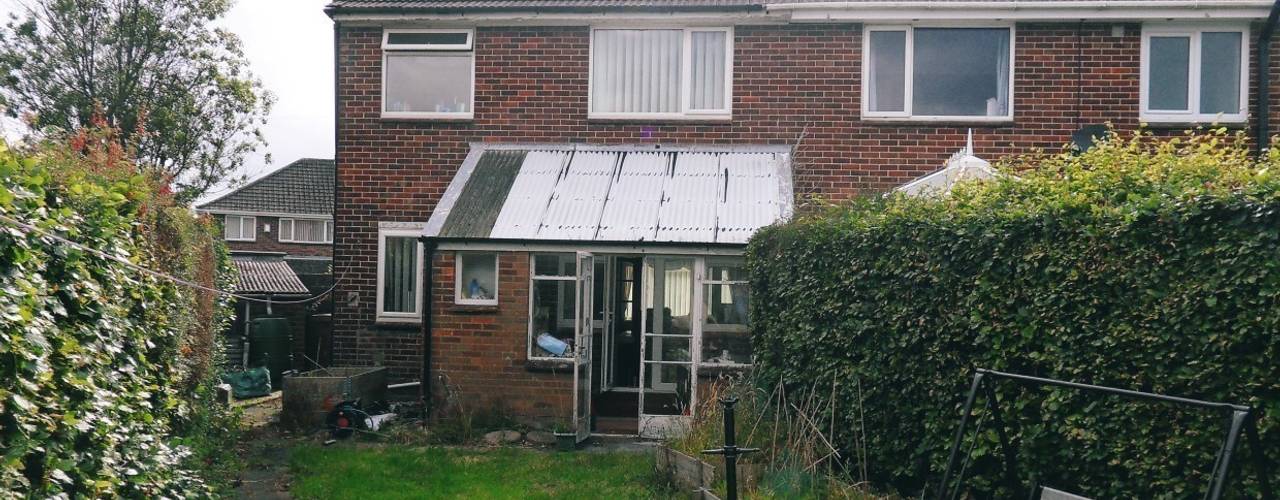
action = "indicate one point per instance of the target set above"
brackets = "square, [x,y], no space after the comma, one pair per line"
[308,230]
[708,52]
[1002,77]
[636,71]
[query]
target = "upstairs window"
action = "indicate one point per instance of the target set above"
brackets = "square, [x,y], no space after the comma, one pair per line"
[428,74]
[1194,74]
[240,228]
[306,231]
[661,73]
[926,73]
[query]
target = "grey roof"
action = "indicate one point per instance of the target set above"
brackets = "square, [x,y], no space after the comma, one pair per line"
[517,5]
[634,194]
[266,275]
[304,187]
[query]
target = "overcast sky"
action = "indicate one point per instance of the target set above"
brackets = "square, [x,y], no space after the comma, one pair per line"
[289,44]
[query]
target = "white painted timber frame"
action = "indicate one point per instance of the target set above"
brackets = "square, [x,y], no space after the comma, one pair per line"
[253,227]
[1192,114]
[457,280]
[388,47]
[909,77]
[686,113]
[402,230]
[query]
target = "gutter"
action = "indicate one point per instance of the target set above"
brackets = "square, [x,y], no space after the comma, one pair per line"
[1263,139]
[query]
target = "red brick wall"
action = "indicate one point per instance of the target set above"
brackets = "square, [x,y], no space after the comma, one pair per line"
[270,242]
[531,86]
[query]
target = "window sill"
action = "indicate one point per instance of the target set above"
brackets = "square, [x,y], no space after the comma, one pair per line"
[976,121]
[307,242]
[472,309]
[1166,122]
[428,117]
[564,365]
[659,120]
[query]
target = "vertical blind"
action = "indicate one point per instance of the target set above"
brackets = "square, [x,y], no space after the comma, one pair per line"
[399,275]
[707,67]
[643,71]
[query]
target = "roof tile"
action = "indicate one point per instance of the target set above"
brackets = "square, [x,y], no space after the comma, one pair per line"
[303,187]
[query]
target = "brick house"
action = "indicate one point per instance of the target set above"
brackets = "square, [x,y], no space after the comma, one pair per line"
[279,230]
[505,165]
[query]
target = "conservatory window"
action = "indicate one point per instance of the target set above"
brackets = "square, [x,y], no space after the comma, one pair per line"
[661,73]
[930,73]
[726,338]
[399,275]
[428,74]
[1194,75]
[240,228]
[477,278]
[306,231]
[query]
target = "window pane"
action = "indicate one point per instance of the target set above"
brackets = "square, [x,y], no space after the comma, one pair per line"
[707,74]
[553,265]
[666,349]
[328,231]
[428,82]
[286,229]
[727,305]
[549,319]
[231,228]
[960,72]
[427,38]
[636,71]
[887,82]
[479,276]
[723,272]
[1220,72]
[310,231]
[1168,78]
[399,275]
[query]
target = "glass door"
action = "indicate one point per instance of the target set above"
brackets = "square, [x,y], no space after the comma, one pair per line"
[582,346]
[667,373]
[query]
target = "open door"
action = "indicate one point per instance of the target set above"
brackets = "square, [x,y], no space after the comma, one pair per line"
[667,370]
[582,346]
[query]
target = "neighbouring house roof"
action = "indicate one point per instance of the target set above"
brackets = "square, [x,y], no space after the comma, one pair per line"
[533,5]
[266,274]
[616,194]
[304,187]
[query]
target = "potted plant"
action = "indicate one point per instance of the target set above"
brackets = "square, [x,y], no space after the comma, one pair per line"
[566,438]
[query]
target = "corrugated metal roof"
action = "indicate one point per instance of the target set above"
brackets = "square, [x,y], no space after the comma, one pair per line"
[262,275]
[620,194]
[484,194]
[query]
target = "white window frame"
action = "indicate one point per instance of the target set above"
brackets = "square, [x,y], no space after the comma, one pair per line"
[293,224]
[387,48]
[1192,114]
[457,280]
[253,227]
[909,75]
[534,277]
[686,82]
[399,317]
[707,281]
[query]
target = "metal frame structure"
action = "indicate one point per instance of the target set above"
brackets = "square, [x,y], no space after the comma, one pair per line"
[1242,419]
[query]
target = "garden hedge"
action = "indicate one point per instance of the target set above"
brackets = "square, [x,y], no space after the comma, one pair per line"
[1143,263]
[105,369]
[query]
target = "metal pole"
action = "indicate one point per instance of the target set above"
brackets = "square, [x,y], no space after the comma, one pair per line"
[955,444]
[730,449]
[1238,418]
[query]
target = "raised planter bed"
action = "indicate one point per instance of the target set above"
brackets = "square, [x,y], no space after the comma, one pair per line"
[698,476]
[309,396]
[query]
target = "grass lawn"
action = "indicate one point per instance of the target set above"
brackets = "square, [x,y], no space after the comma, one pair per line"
[399,472]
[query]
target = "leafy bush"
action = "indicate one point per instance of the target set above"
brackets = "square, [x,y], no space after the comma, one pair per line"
[1143,264]
[105,367]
